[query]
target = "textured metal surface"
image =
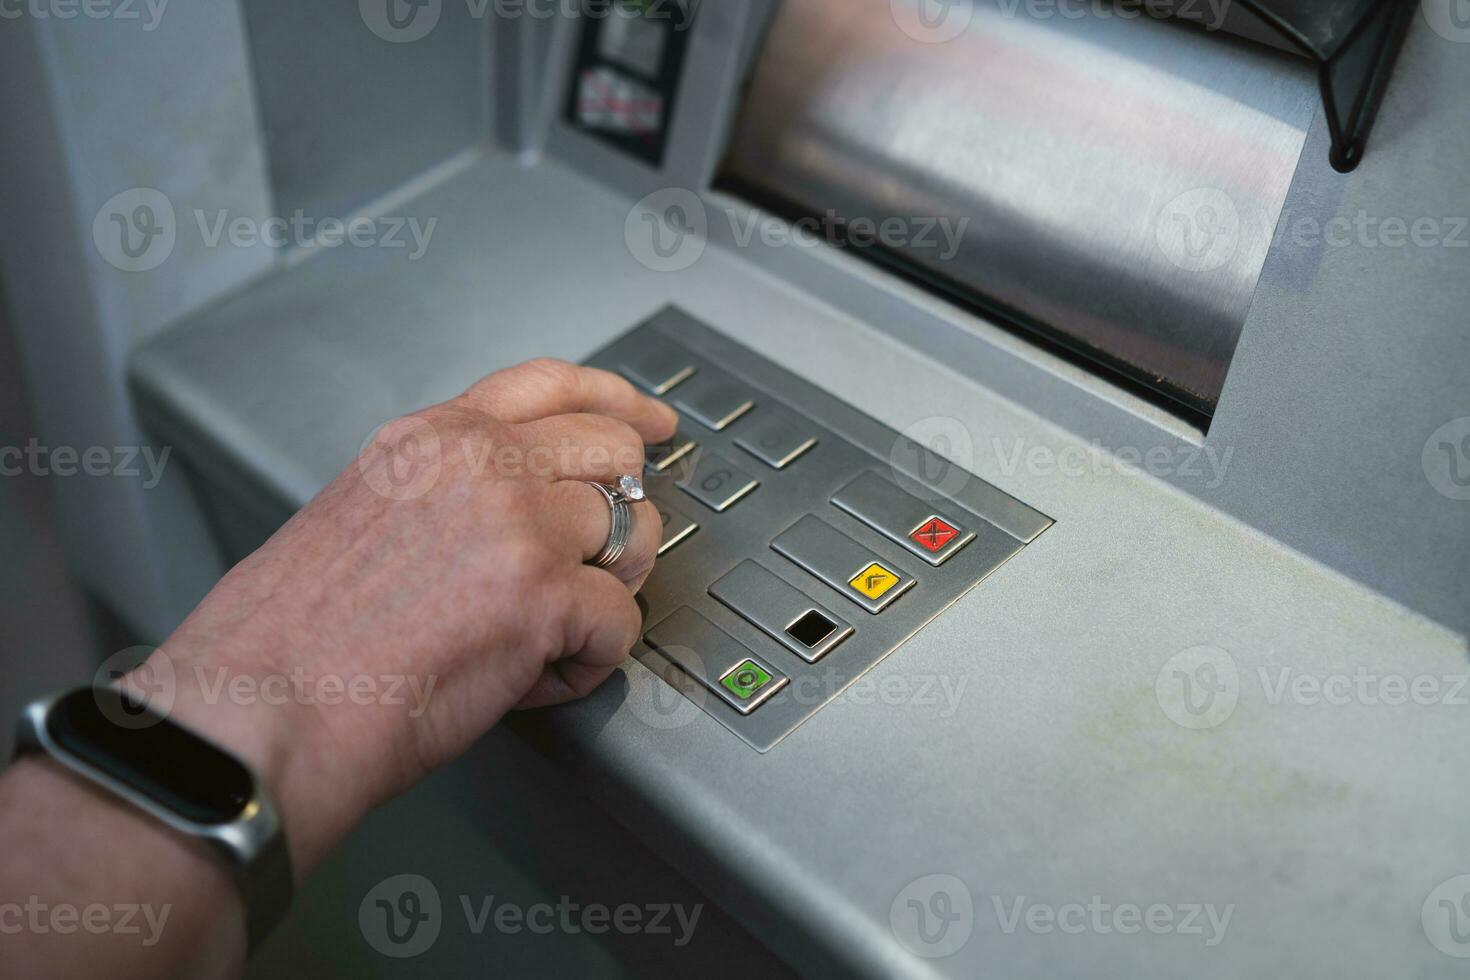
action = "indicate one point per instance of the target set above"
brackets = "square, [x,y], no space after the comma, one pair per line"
[1120,180]
[764,600]
[1030,755]
[751,511]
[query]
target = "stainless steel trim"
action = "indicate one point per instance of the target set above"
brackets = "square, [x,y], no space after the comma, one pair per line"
[677,527]
[659,458]
[759,596]
[708,654]
[896,515]
[1114,183]
[775,437]
[717,483]
[715,401]
[658,369]
[836,559]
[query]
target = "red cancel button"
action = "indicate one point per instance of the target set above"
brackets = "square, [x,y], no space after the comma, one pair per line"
[934,534]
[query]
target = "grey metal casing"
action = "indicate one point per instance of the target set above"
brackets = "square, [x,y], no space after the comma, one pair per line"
[1320,548]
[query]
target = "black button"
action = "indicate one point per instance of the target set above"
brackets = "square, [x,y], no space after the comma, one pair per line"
[811,629]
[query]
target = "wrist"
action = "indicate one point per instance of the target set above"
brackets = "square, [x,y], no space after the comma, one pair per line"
[280,739]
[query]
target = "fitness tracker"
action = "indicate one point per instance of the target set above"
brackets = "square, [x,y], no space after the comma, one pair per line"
[121,744]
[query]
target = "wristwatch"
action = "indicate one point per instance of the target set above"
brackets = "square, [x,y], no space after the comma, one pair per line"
[123,745]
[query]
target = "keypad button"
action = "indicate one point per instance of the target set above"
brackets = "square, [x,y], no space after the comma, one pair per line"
[842,563]
[717,483]
[658,368]
[676,527]
[782,611]
[659,458]
[776,438]
[718,661]
[929,532]
[715,401]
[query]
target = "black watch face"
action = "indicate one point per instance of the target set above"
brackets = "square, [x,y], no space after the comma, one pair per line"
[151,755]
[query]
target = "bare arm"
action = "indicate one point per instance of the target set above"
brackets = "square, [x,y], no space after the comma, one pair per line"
[448,565]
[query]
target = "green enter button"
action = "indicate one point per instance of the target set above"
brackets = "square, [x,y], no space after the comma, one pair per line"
[744,681]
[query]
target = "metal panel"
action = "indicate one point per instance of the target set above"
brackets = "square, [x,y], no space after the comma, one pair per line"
[1114,184]
[782,518]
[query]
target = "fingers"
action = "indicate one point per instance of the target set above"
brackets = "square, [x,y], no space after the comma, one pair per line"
[585,447]
[602,625]
[579,516]
[542,388]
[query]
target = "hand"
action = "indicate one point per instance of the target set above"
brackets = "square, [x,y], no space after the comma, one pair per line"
[449,560]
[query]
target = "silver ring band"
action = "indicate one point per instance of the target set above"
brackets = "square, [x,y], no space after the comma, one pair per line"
[622,528]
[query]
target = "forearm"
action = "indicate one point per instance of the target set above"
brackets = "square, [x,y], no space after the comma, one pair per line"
[421,596]
[88,881]
[88,878]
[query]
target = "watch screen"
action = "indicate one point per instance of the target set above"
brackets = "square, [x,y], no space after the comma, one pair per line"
[149,754]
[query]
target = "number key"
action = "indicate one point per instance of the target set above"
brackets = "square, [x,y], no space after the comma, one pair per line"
[717,483]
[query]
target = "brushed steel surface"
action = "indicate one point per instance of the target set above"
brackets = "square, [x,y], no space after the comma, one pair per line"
[709,655]
[847,443]
[1117,182]
[762,599]
[718,483]
[897,515]
[836,559]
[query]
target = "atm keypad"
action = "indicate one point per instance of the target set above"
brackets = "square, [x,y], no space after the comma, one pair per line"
[717,483]
[715,402]
[793,558]
[659,458]
[915,525]
[676,527]
[776,438]
[783,612]
[658,370]
[847,567]
[718,661]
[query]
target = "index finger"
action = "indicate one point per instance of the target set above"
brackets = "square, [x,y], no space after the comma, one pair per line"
[544,388]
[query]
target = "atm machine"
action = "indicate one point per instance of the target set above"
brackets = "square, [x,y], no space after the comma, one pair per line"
[1065,558]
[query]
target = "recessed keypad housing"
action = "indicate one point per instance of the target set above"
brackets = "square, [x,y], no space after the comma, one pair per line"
[803,541]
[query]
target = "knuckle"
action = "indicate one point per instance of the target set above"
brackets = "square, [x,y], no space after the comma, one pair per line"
[553,372]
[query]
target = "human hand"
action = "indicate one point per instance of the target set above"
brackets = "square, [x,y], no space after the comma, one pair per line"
[450,556]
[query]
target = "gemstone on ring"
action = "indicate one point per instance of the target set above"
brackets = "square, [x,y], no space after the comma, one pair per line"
[632,488]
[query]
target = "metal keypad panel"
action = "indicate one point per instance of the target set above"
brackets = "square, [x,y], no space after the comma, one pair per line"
[801,544]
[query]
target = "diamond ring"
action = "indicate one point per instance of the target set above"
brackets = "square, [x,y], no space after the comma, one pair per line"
[628,491]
